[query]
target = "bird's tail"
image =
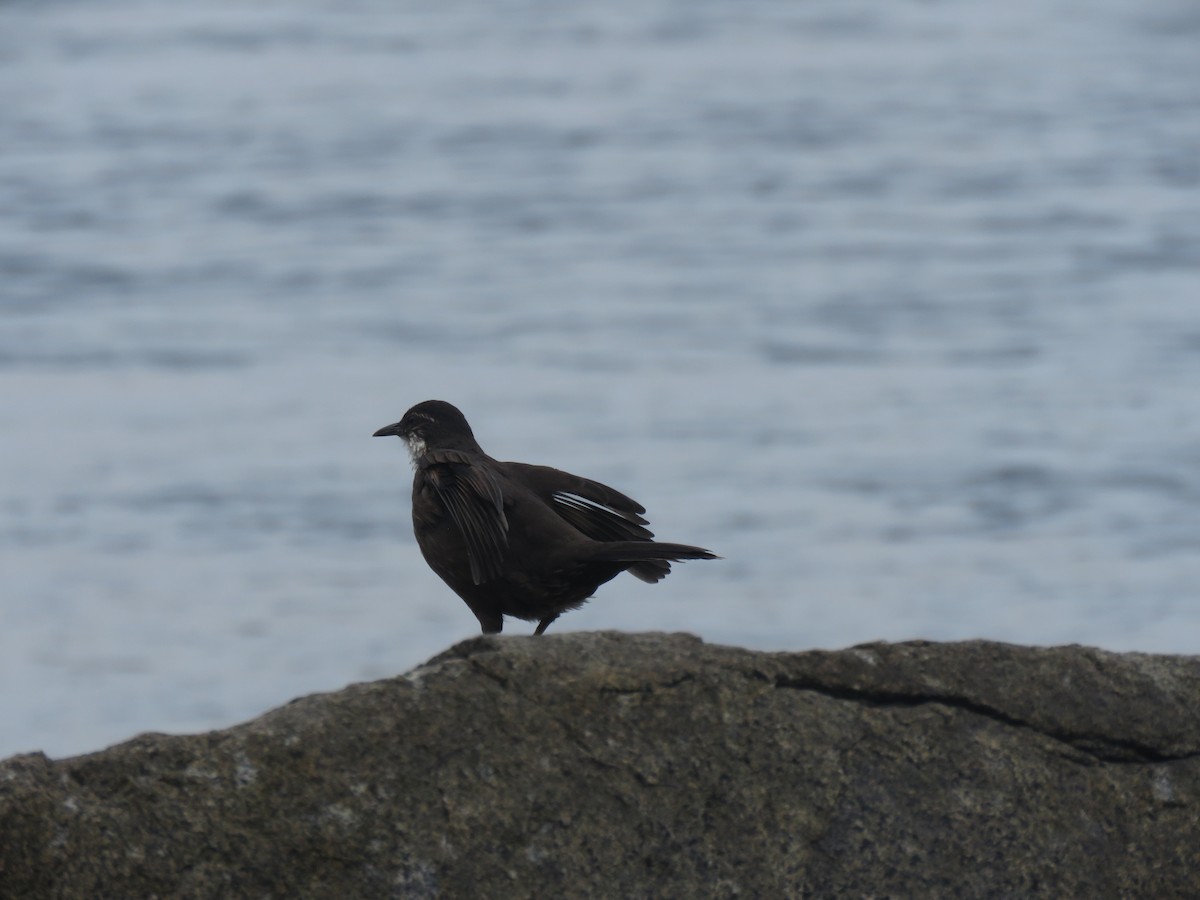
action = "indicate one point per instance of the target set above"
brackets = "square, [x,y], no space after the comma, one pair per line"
[651,559]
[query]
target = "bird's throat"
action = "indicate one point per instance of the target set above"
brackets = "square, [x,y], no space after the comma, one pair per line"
[416,447]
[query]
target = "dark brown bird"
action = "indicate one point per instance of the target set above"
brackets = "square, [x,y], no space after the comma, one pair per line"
[518,540]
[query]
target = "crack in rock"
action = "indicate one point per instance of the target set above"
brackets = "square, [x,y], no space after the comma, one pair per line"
[1102,748]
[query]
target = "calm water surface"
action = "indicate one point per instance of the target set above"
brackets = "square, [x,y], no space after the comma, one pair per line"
[894,305]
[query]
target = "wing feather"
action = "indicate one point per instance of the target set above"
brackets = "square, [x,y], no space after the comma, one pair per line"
[600,512]
[472,496]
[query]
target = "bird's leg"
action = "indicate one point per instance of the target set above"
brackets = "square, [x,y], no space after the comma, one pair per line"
[490,623]
[544,624]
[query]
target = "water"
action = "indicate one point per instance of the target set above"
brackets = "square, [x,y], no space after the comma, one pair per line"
[895,305]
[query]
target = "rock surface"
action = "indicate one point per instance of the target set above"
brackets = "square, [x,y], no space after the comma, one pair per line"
[620,765]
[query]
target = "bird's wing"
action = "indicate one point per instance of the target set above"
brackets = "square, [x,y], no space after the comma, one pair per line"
[601,513]
[472,496]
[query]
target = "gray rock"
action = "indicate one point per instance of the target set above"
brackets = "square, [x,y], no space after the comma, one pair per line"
[620,765]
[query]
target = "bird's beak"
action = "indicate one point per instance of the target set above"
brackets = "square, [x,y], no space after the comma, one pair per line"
[388,430]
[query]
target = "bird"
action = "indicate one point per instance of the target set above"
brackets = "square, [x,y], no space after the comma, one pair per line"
[519,540]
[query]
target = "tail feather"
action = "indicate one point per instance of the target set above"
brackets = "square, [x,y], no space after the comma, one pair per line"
[650,571]
[644,551]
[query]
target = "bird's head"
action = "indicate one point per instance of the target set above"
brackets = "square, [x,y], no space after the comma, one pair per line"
[432,424]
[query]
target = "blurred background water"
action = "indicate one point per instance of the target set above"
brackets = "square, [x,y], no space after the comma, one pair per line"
[894,305]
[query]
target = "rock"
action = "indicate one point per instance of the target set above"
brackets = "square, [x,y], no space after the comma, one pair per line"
[622,765]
